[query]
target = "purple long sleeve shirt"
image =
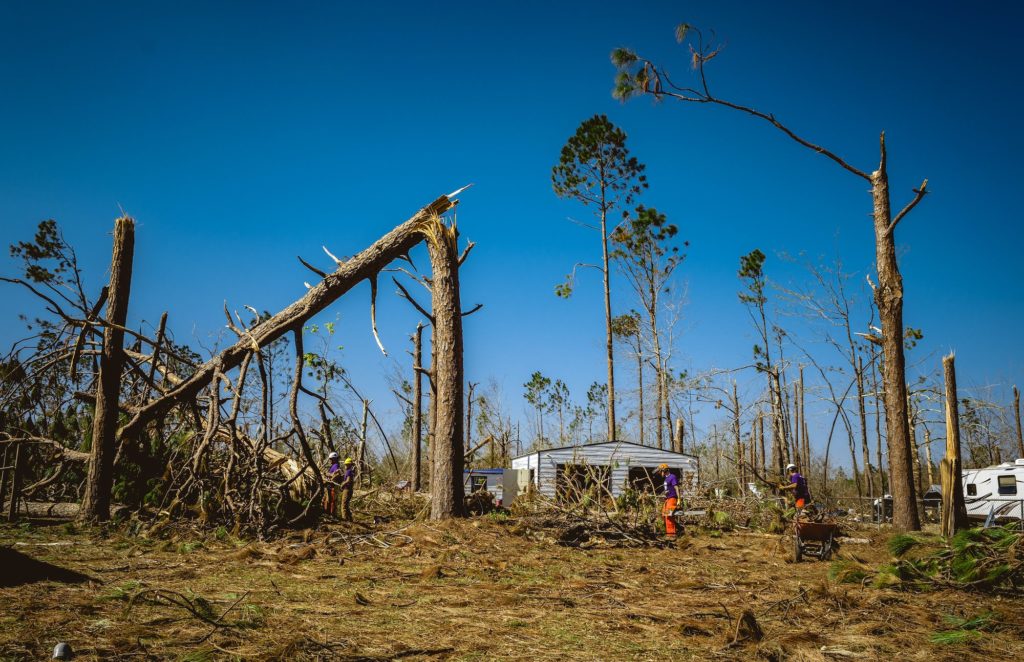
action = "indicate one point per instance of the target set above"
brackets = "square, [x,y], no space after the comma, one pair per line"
[671,487]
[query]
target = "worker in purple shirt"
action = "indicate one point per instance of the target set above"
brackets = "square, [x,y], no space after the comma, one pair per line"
[330,494]
[798,484]
[348,484]
[671,500]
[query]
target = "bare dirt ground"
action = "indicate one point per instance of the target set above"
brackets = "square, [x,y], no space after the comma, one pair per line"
[464,590]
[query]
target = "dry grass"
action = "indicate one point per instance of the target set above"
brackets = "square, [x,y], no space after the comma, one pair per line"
[470,590]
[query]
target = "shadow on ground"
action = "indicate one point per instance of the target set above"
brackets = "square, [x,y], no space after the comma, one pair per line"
[17,569]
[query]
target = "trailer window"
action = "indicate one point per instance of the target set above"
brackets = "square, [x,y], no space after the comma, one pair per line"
[972,489]
[1007,484]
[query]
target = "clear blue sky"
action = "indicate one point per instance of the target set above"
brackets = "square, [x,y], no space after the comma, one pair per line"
[242,134]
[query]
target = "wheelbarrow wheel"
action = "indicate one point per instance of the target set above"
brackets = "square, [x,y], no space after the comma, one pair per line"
[797,551]
[826,551]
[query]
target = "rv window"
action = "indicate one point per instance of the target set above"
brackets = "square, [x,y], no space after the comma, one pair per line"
[479,483]
[972,489]
[1007,484]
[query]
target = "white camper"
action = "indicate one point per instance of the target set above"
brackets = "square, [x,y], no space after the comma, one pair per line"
[995,492]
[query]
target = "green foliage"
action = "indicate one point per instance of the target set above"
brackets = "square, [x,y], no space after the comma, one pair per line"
[963,630]
[595,167]
[848,572]
[627,325]
[536,390]
[976,559]
[752,271]
[47,259]
[902,543]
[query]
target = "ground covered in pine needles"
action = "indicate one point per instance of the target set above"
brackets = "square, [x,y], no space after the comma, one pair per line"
[479,589]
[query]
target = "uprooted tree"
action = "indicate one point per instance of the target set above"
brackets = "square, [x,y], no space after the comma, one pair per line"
[192,417]
[639,76]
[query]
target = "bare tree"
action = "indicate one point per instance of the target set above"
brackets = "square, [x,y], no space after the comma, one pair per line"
[641,76]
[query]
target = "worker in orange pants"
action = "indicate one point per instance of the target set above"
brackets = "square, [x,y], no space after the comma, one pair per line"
[671,500]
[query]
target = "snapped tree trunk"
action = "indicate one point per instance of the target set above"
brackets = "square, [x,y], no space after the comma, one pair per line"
[100,480]
[364,265]
[889,300]
[446,488]
[677,442]
[954,511]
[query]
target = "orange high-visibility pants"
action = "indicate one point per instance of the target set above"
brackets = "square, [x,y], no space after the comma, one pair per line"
[670,522]
[329,500]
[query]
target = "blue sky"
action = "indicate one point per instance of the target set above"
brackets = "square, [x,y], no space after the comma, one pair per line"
[242,134]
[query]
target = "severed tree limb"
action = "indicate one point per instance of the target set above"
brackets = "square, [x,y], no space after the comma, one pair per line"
[373,314]
[368,262]
[65,454]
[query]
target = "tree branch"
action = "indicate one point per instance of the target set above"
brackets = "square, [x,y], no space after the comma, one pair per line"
[920,193]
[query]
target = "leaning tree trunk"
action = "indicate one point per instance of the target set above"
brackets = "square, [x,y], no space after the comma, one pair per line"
[889,299]
[100,480]
[446,488]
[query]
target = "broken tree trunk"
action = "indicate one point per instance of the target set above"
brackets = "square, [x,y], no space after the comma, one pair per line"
[889,299]
[365,265]
[677,441]
[954,511]
[100,480]
[446,488]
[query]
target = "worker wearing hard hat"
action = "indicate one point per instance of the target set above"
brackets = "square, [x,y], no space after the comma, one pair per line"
[798,484]
[671,500]
[348,484]
[330,495]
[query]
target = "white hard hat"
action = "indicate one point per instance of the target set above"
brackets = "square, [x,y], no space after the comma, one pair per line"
[790,466]
[332,456]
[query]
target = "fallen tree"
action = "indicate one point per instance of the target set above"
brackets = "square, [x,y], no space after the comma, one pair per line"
[216,466]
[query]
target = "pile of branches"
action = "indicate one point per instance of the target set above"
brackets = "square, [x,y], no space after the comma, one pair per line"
[181,436]
[587,521]
[973,559]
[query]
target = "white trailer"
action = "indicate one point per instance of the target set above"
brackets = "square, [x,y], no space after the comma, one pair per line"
[995,492]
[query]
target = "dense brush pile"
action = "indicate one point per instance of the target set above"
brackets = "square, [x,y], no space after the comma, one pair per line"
[973,559]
